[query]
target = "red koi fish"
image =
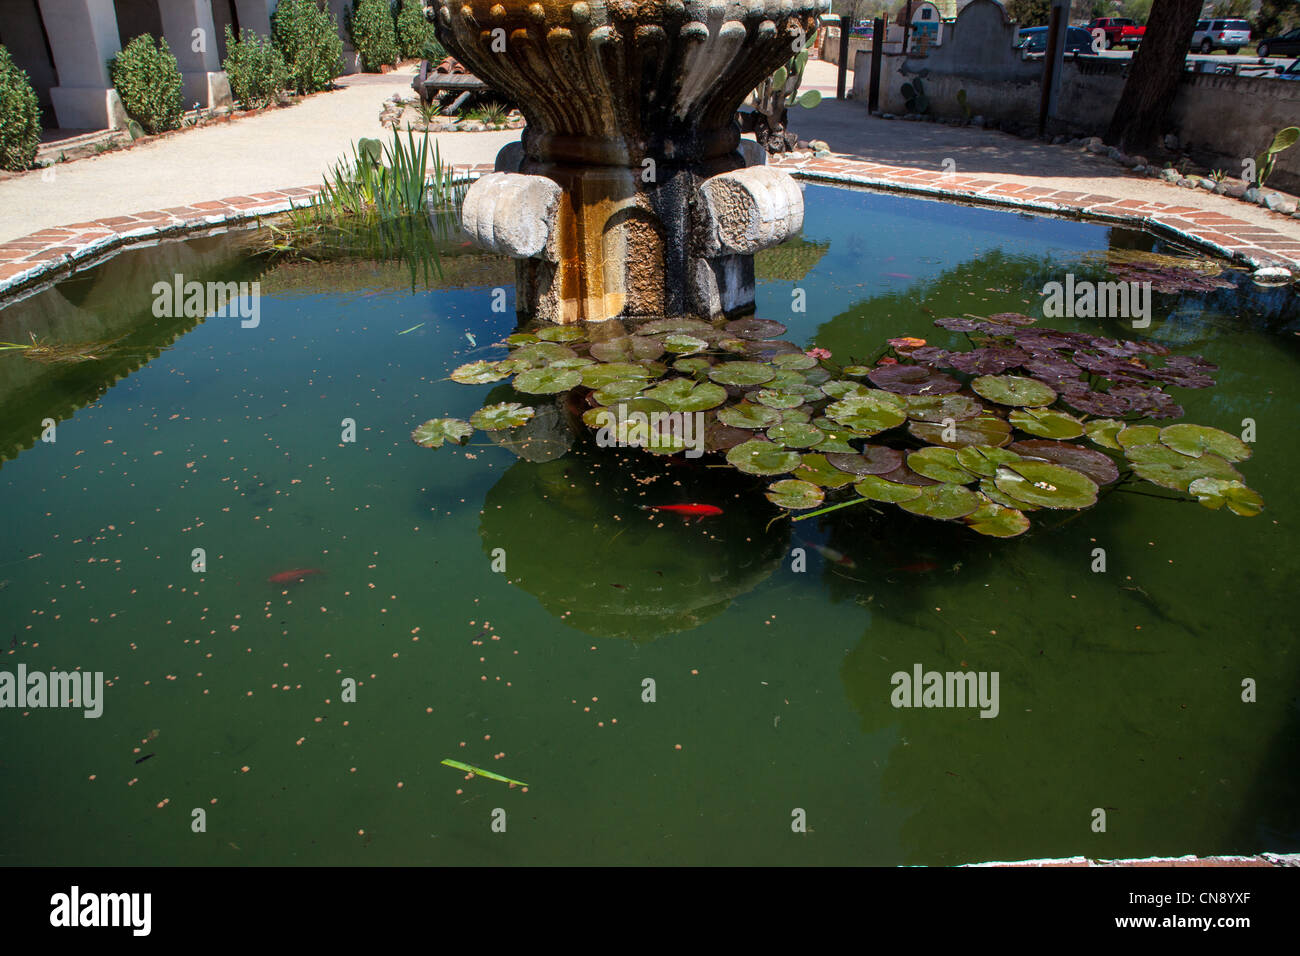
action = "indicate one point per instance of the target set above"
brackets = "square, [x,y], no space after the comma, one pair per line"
[831,555]
[698,512]
[293,575]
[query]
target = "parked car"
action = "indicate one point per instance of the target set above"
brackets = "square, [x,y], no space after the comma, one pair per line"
[864,28]
[1229,35]
[1120,31]
[1288,44]
[1033,42]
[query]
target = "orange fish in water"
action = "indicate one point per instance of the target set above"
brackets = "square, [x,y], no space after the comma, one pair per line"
[696,511]
[293,576]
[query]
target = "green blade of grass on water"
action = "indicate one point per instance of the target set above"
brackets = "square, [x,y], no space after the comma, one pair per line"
[482,773]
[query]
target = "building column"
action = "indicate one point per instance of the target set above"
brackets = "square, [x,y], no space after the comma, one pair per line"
[187,25]
[351,59]
[254,15]
[83,38]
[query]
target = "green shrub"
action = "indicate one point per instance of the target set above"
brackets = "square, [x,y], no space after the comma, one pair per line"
[370,24]
[413,30]
[149,83]
[433,51]
[20,117]
[308,37]
[255,68]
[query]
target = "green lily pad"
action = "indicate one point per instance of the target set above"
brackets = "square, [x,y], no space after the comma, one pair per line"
[1195,440]
[792,415]
[1135,435]
[1097,465]
[837,436]
[1046,423]
[939,463]
[1214,493]
[796,434]
[794,360]
[687,395]
[985,430]
[692,366]
[1012,390]
[774,399]
[989,490]
[857,371]
[1102,431]
[745,415]
[762,458]
[795,495]
[547,381]
[935,408]
[679,343]
[816,469]
[479,373]
[580,362]
[438,430]
[997,521]
[1167,468]
[539,354]
[494,418]
[691,326]
[868,413]
[734,345]
[838,388]
[742,373]
[1046,485]
[626,348]
[943,502]
[878,489]
[598,376]
[521,338]
[620,391]
[984,460]
[562,333]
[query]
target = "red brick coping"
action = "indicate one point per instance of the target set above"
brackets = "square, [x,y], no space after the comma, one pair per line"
[1263,859]
[52,252]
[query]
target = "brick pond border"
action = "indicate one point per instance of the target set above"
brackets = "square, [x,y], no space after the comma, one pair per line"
[47,255]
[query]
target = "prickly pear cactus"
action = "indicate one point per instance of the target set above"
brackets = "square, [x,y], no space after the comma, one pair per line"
[771,102]
[914,96]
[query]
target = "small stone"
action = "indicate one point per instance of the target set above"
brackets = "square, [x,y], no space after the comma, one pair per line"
[1252,194]
[1170,174]
[1272,275]
[1187,183]
[888,116]
[1234,188]
[1171,141]
[1279,203]
[1205,183]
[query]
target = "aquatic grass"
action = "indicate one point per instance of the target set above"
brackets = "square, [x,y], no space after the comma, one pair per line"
[50,352]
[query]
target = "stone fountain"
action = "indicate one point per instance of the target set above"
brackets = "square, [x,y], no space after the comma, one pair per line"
[630,194]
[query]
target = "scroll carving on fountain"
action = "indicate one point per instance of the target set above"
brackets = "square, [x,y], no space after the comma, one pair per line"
[630,194]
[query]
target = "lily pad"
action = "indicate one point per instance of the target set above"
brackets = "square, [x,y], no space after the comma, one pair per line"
[627,348]
[745,415]
[858,371]
[1046,485]
[935,408]
[599,376]
[1135,435]
[1167,468]
[1012,390]
[742,373]
[494,418]
[686,395]
[819,471]
[1046,423]
[1195,440]
[868,413]
[842,389]
[902,475]
[1087,461]
[777,399]
[880,489]
[837,436]
[720,437]
[539,354]
[989,490]
[1102,431]
[795,495]
[796,434]
[1214,493]
[939,463]
[691,326]
[762,458]
[794,360]
[943,502]
[755,329]
[984,460]
[692,366]
[913,380]
[985,430]
[997,521]
[521,338]
[547,381]
[874,460]
[479,373]
[679,343]
[561,333]
[620,391]
[438,430]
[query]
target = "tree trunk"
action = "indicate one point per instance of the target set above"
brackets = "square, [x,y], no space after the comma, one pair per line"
[1153,75]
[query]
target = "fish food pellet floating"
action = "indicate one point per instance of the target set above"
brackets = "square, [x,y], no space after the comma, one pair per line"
[677,746]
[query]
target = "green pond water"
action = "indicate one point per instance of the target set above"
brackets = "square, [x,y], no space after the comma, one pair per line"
[1119,690]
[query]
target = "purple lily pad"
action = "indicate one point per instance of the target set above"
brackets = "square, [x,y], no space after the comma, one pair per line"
[956,324]
[874,460]
[1013,318]
[755,329]
[991,360]
[912,380]
[931,355]
[1095,464]
[903,475]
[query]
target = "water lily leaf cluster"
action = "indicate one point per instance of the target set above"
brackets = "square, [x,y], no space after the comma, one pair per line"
[1018,420]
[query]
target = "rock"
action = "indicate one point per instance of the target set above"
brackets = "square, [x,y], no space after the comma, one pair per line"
[888,116]
[1187,183]
[1234,188]
[1171,141]
[1169,174]
[1115,154]
[1140,161]
[1251,195]
[1204,183]
[822,152]
[1271,275]
[819,144]
[1140,170]
[1058,140]
[1279,203]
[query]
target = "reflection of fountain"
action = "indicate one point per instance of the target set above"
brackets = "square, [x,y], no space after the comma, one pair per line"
[630,195]
[575,539]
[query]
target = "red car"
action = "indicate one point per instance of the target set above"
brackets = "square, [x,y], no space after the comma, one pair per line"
[1119,31]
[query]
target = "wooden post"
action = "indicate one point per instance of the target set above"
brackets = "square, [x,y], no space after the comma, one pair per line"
[877,55]
[1054,29]
[844,60]
[907,26]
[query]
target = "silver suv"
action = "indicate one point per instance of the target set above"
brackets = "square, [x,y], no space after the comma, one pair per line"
[1229,35]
